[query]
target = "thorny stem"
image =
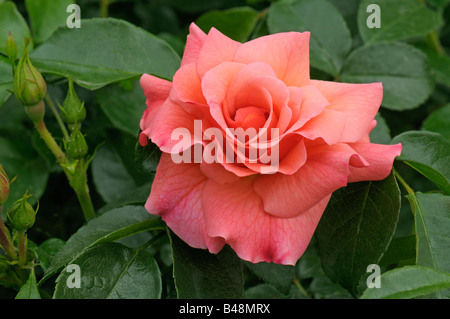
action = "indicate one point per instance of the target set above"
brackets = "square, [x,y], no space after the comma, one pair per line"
[82,191]
[84,198]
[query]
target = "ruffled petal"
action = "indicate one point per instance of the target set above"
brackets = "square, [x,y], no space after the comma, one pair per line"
[235,213]
[287,54]
[176,196]
[194,44]
[216,49]
[360,102]
[326,169]
[380,159]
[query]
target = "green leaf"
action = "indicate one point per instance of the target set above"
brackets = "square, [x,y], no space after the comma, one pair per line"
[135,196]
[401,249]
[122,105]
[356,229]
[112,225]
[403,70]
[46,16]
[47,250]
[12,21]
[6,80]
[440,4]
[428,153]
[439,63]
[439,121]
[112,271]
[104,51]
[400,19]
[263,291]
[381,134]
[330,42]
[309,269]
[201,275]
[408,282]
[110,176]
[226,21]
[279,276]
[29,290]
[147,158]
[432,218]
[19,159]
[198,6]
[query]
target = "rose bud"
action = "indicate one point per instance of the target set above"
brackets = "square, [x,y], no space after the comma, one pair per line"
[4,186]
[29,85]
[72,109]
[76,146]
[21,215]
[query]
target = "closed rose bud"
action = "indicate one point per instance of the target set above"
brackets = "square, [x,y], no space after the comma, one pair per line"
[11,48]
[72,109]
[21,215]
[29,85]
[4,186]
[76,146]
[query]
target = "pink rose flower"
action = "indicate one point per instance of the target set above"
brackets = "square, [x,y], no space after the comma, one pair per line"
[265,210]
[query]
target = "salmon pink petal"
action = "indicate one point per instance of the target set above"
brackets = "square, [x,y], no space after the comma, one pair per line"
[294,158]
[287,54]
[329,126]
[215,86]
[156,91]
[218,173]
[248,73]
[216,49]
[326,169]
[172,118]
[176,196]
[235,213]
[194,44]
[312,104]
[295,103]
[359,101]
[187,85]
[379,158]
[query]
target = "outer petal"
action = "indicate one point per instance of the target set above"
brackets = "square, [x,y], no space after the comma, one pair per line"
[194,44]
[380,159]
[287,53]
[171,117]
[325,170]
[235,212]
[216,49]
[176,196]
[359,101]
[187,84]
[156,91]
[329,126]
